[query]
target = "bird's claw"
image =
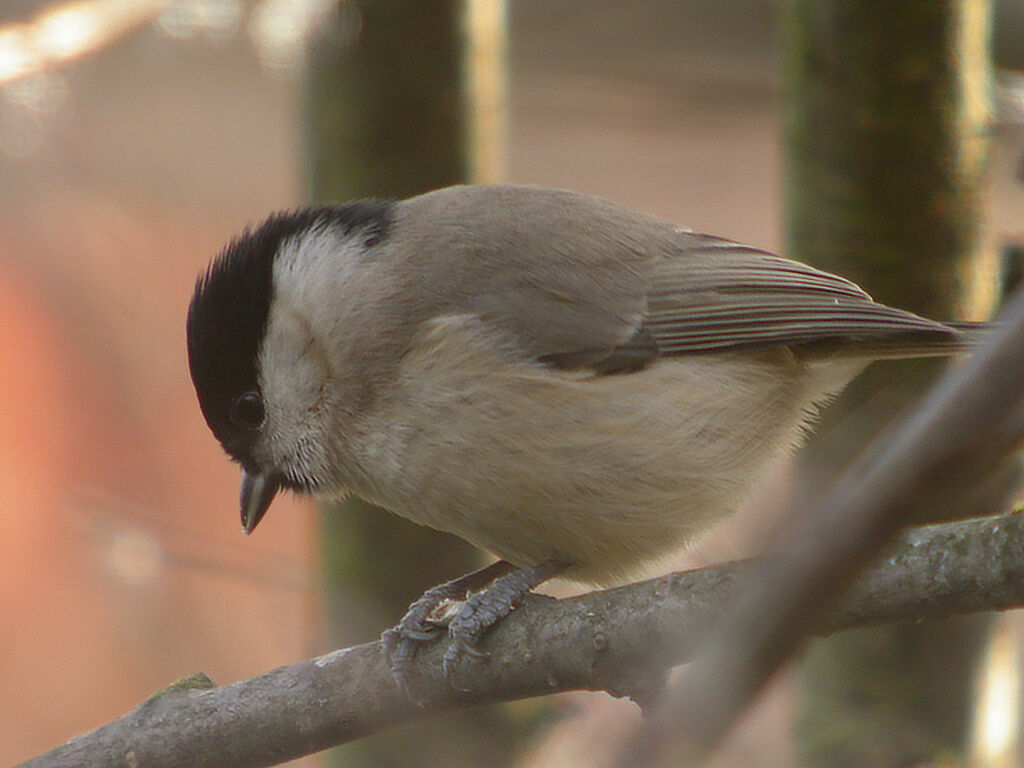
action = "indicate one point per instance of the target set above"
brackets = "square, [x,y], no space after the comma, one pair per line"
[418,627]
[481,612]
[455,652]
[424,635]
[401,644]
[466,621]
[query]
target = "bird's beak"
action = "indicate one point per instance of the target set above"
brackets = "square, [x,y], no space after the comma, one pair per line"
[257,492]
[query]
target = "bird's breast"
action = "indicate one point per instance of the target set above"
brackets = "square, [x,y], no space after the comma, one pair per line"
[604,471]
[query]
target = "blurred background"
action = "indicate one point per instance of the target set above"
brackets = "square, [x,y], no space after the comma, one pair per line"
[136,136]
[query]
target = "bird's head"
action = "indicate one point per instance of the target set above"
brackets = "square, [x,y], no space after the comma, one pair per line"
[264,325]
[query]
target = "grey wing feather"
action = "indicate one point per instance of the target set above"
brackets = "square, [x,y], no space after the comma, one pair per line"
[707,295]
[719,295]
[603,288]
[562,275]
[565,322]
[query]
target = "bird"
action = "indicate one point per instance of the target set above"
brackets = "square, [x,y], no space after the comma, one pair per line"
[572,386]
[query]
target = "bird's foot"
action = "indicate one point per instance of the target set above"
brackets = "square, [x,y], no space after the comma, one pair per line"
[426,619]
[416,628]
[467,619]
[484,610]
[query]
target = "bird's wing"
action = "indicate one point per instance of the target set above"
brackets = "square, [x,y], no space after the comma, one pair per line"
[600,287]
[562,276]
[714,295]
[573,315]
[720,295]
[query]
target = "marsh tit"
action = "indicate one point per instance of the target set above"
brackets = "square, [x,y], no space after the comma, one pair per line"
[570,385]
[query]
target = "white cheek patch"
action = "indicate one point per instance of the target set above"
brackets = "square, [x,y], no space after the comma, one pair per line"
[310,268]
[291,381]
[310,273]
[316,278]
[294,370]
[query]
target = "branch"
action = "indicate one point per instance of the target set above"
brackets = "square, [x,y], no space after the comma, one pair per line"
[612,640]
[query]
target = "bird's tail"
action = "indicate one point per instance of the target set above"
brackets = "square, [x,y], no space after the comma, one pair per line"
[949,339]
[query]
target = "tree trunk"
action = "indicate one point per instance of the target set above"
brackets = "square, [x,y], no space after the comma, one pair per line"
[391,106]
[887,121]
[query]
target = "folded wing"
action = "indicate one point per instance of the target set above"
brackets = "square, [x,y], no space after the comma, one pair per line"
[720,295]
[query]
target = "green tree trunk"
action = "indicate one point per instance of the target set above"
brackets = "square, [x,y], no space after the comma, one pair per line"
[887,121]
[387,114]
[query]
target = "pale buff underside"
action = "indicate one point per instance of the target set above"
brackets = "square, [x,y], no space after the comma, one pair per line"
[605,472]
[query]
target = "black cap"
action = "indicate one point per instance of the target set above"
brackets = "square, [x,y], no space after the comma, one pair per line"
[230,308]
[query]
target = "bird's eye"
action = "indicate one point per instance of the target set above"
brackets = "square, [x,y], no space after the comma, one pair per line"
[247,411]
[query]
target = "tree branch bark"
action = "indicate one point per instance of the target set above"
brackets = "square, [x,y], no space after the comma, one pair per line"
[620,640]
